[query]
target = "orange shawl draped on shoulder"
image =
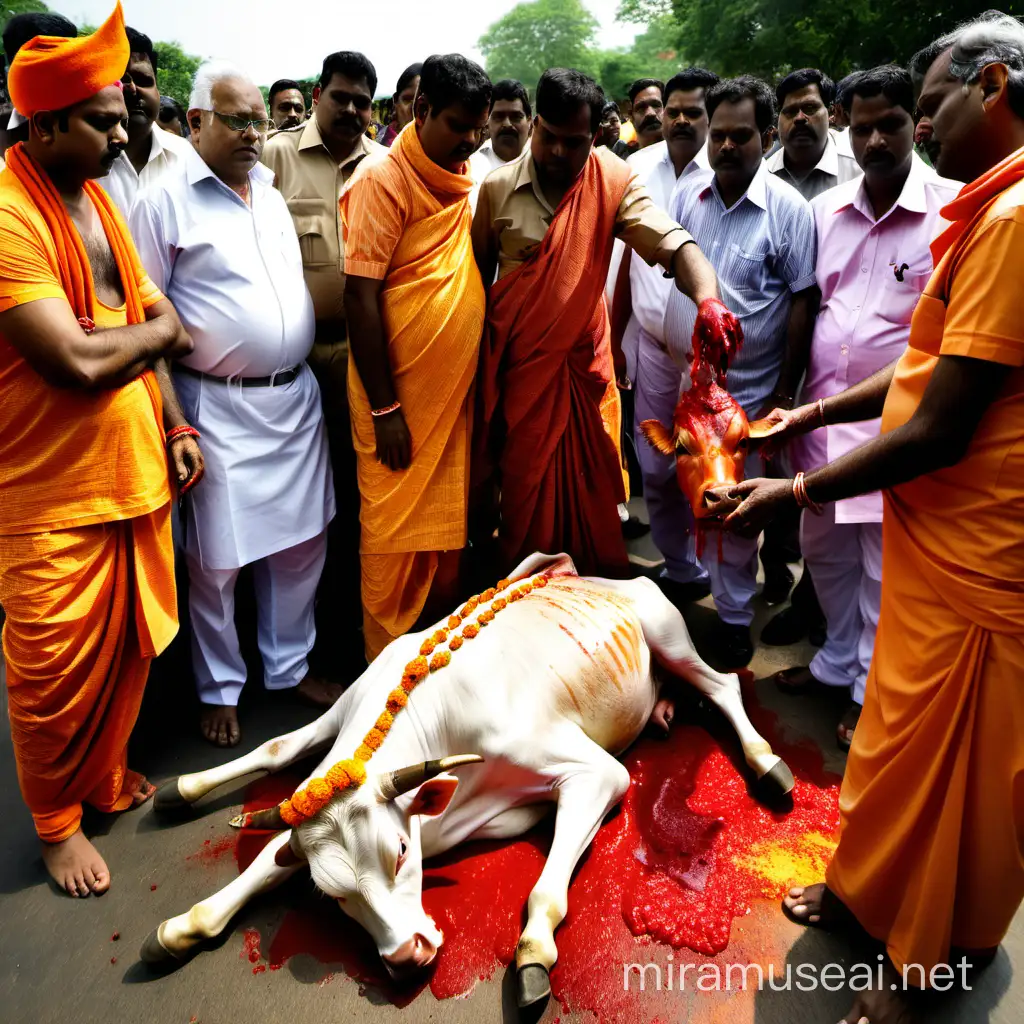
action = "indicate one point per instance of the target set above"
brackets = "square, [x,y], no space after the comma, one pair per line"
[86,563]
[930,855]
[546,369]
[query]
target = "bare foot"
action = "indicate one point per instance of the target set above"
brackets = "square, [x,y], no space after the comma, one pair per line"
[816,905]
[76,866]
[663,713]
[847,725]
[797,681]
[219,725]
[319,692]
[138,787]
[888,1004]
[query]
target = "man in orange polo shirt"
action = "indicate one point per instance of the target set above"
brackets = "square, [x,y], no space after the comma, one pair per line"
[929,859]
[86,567]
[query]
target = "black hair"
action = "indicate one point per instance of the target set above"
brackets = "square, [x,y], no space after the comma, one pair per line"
[512,89]
[450,78]
[689,79]
[350,64]
[171,108]
[611,107]
[889,80]
[282,85]
[732,90]
[139,42]
[645,83]
[843,97]
[801,79]
[561,92]
[23,27]
[406,77]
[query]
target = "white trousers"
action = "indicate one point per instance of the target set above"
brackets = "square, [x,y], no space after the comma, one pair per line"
[657,383]
[845,560]
[285,584]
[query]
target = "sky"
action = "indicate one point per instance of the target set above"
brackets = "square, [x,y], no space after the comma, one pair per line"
[273,39]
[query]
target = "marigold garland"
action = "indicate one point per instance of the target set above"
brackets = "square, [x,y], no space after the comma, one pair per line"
[348,774]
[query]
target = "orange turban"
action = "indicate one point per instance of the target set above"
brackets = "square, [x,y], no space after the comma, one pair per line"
[50,73]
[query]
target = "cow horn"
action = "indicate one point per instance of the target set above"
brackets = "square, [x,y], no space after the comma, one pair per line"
[403,780]
[269,820]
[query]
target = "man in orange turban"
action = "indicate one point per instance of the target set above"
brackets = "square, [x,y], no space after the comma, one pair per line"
[86,568]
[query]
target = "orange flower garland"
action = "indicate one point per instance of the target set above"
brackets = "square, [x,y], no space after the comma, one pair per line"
[317,793]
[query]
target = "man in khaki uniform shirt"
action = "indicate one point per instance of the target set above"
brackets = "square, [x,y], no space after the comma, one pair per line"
[312,164]
[549,418]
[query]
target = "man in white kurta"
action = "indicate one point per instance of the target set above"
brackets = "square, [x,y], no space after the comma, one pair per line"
[226,254]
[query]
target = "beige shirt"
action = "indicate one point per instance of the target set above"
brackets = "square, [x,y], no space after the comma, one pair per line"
[312,182]
[513,216]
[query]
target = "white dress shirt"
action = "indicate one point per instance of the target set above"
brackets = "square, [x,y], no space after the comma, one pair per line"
[122,183]
[836,166]
[234,274]
[481,163]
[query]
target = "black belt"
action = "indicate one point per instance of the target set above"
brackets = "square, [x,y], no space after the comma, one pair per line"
[282,377]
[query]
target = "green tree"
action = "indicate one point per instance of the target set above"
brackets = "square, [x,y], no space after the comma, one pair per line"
[9,8]
[653,54]
[539,35]
[175,71]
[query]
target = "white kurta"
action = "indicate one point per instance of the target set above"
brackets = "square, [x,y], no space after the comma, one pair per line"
[234,274]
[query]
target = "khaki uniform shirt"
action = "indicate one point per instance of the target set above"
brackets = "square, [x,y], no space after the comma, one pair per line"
[513,212]
[311,183]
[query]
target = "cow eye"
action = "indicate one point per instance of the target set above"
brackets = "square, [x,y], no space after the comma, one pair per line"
[402,851]
[681,449]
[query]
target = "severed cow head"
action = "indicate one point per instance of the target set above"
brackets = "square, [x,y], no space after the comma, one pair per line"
[709,439]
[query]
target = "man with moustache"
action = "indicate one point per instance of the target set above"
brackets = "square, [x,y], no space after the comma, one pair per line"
[86,564]
[312,164]
[638,333]
[546,224]
[287,104]
[509,126]
[759,235]
[151,152]
[218,238]
[415,309]
[885,222]
[647,103]
[929,855]
[809,158]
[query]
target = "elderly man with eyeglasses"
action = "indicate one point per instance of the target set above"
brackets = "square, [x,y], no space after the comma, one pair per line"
[218,239]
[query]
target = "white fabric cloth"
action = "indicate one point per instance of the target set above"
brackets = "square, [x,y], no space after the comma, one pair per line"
[234,274]
[122,184]
[845,561]
[481,163]
[15,120]
[285,585]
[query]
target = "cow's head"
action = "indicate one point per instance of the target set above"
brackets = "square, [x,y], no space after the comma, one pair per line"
[364,851]
[709,440]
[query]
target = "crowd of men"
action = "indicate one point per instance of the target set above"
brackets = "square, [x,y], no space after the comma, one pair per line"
[366,351]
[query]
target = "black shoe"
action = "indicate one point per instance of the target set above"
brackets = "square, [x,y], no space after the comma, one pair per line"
[818,632]
[684,593]
[788,627]
[634,528]
[777,585]
[733,646]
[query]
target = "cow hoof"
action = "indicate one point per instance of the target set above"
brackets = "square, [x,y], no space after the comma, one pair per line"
[168,799]
[156,954]
[777,781]
[532,985]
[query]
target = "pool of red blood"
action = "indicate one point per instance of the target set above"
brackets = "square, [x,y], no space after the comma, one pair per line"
[662,869]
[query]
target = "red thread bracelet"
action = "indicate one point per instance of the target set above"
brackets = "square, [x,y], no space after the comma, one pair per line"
[181,431]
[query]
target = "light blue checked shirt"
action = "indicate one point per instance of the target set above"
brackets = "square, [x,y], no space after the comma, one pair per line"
[763,251]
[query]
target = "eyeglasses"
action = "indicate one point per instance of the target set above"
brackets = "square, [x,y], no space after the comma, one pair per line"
[240,123]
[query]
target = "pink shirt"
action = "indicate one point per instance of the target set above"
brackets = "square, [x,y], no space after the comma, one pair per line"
[866,306]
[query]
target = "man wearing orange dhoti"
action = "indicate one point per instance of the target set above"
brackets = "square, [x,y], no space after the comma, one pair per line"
[86,569]
[930,855]
[548,427]
[415,309]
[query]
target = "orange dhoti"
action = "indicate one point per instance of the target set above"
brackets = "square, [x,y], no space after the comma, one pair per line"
[87,609]
[407,222]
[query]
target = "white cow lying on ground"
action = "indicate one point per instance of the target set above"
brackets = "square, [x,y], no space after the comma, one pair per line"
[558,683]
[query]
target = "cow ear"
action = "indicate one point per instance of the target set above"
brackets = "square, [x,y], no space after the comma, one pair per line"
[434,796]
[658,437]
